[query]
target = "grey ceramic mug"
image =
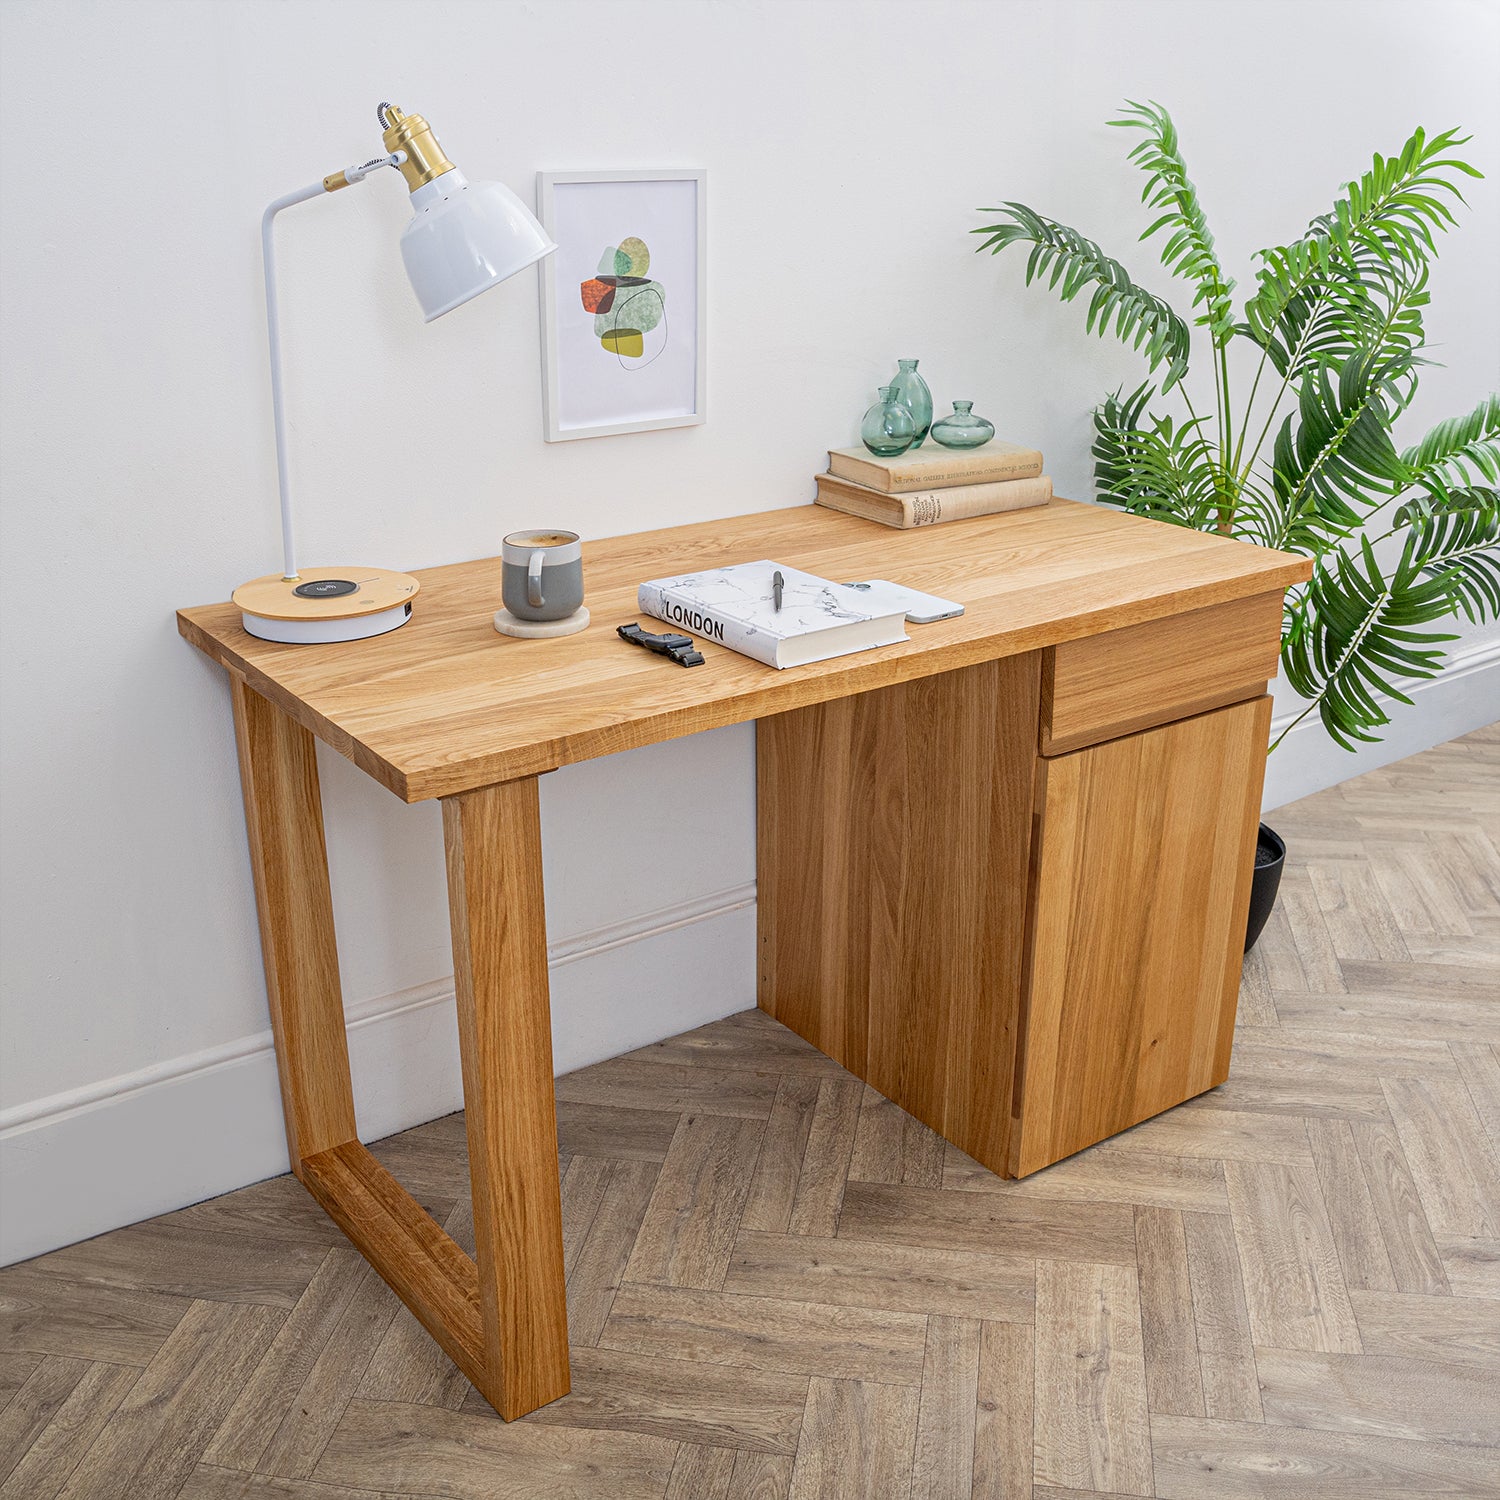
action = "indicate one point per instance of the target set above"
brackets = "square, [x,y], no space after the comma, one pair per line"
[541,574]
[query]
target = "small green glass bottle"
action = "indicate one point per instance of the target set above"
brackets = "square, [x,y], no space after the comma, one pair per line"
[888,427]
[963,429]
[912,392]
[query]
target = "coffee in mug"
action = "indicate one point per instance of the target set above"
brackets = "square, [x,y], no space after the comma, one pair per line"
[542,574]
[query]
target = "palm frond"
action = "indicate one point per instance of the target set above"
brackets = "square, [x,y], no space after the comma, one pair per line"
[1348,312]
[1388,217]
[1336,452]
[1153,468]
[1352,632]
[1450,452]
[1071,263]
[1457,543]
[1189,250]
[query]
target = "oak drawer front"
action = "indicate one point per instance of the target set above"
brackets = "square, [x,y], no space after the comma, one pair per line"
[1103,686]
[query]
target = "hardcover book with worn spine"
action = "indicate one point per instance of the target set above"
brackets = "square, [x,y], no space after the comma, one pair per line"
[928,507]
[935,468]
[736,607]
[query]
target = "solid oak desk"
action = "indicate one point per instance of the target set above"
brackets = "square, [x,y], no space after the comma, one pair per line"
[1003,867]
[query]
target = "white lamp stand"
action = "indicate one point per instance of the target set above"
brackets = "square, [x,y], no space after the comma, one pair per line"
[463,238]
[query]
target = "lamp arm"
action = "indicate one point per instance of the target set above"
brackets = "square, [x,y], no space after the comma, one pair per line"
[330,184]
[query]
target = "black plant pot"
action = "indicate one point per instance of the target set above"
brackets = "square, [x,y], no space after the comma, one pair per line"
[1270,857]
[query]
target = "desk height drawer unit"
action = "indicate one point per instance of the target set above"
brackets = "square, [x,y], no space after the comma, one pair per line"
[1028,945]
[1003,865]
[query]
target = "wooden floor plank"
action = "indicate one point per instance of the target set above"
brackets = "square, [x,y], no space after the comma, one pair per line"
[779,1166]
[725,1406]
[1226,1356]
[1457,1402]
[1456,1171]
[1003,1429]
[425,1450]
[599,1267]
[42,1313]
[1174,1379]
[987,1222]
[1101,1175]
[897,1278]
[825,1162]
[687,1234]
[1207,1460]
[1460,1330]
[857,1441]
[768,1333]
[1091,1425]
[1472,1267]
[943,1464]
[1352,1216]
[1409,1246]
[1294,1286]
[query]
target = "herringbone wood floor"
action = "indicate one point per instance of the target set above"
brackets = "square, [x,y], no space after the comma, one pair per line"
[779,1285]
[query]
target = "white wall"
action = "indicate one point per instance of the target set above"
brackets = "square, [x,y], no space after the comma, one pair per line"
[848,146]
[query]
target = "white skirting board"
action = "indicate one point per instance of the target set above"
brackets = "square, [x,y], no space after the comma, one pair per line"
[1465,697]
[77,1164]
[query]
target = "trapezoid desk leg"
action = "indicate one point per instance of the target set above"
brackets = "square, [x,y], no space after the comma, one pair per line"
[494,852]
[284,822]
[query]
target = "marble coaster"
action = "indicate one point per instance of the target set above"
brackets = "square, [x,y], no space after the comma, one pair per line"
[540,630]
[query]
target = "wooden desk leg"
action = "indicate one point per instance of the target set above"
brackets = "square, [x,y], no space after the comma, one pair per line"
[284,820]
[494,845]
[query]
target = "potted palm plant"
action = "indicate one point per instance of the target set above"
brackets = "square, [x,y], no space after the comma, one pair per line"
[1401,539]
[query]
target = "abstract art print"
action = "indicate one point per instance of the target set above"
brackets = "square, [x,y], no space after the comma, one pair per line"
[623,301]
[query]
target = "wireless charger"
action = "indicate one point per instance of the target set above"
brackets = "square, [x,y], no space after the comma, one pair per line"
[326,604]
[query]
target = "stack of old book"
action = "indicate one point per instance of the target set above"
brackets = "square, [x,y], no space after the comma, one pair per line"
[929,484]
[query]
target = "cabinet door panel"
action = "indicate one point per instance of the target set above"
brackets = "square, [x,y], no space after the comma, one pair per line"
[1140,886]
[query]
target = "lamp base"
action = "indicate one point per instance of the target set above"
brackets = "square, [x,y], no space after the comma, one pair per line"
[326,604]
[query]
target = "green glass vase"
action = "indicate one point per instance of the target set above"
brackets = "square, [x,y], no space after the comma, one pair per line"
[963,429]
[888,427]
[912,392]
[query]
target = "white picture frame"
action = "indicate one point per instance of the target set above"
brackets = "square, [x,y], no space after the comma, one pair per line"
[600,375]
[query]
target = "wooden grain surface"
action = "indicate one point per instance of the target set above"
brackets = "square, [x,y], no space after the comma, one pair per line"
[894,834]
[493,839]
[1104,686]
[445,704]
[239,1349]
[284,825]
[1142,882]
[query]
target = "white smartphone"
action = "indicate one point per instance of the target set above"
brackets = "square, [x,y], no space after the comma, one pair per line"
[921,609]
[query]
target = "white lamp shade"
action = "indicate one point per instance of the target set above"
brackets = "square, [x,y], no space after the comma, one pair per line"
[465,237]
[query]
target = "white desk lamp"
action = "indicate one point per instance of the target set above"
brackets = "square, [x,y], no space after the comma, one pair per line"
[463,238]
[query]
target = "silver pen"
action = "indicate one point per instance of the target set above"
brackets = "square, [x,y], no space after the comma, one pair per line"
[777,584]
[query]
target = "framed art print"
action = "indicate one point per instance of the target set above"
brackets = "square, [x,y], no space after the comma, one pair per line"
[623,301]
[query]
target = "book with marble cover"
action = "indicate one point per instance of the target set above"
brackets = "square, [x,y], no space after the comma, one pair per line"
[735,607]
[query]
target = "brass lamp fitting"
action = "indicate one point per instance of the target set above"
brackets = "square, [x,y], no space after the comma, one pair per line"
[413,135]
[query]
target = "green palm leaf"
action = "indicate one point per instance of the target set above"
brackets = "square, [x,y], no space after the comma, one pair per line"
[1450,451]
[1351,632]
[1153,468]
[1457,544]
[1336,452]
[1071,263]
[1189,250]
[1385,223]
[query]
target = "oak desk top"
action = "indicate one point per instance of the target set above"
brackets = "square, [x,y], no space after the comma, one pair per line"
[445,704]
